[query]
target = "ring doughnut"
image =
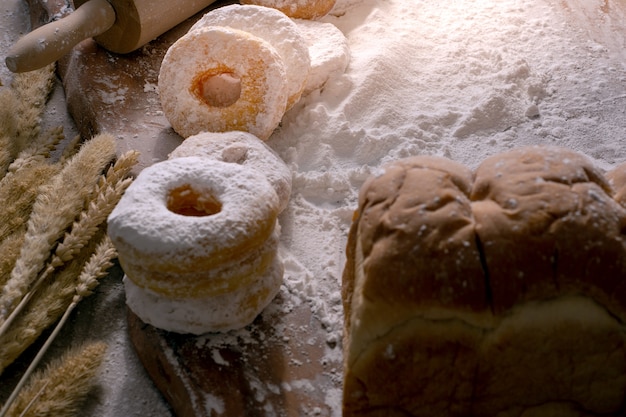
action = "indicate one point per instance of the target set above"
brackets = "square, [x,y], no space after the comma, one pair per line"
[214,313]
[274,27]
[328,50]
[184,224]
[301,9]
[219,79]
[241,148]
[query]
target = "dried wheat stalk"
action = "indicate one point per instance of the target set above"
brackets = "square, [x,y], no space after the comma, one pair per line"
[38,151]
[107,193]
[46,307]
[10,250]
[18,193]
[57,216]
[55,295]
[60,389]
[8,129]
[92,271]
[21,108]
[57,205]
[22,328]
[32,89]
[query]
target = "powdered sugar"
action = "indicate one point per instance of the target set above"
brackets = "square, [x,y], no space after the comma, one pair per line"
[194,314]
[274,27]
[142,222]
[241,148]
[251,60]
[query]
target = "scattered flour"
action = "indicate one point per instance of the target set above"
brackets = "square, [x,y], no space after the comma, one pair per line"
[454,79]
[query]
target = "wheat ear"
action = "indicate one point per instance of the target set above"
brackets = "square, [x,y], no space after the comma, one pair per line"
[71,147]
[32,89]
[38,151]
[10,250]
[18,193]
[21,108]
[20,187]
[49,303]
[108,192]
[95,268]
[8,129]
[54,210]
[46,306]
[61,388]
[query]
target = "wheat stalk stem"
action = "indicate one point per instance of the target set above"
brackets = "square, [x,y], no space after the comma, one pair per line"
[34,399]
[36,360]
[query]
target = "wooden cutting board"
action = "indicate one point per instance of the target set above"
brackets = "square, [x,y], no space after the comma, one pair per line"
[278,366]
[282,364]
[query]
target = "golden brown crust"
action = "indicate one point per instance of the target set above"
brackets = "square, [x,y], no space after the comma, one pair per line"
[457,284]
[617,179]
[404,234]
[547,223]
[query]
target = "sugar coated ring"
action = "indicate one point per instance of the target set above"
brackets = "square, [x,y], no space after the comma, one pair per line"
[219,79]
[276,28]
[189,217]
[301,9]
[328,49]
[216,313]
[245,149]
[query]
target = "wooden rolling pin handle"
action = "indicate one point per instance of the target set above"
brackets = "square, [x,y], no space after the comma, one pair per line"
[50,42]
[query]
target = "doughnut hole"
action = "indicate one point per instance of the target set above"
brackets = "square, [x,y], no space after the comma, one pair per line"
[217,88]
[186,201]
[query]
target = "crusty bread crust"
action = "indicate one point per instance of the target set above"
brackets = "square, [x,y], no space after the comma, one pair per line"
[489,293]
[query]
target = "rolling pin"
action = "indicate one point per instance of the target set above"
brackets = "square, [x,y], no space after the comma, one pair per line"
[120,26]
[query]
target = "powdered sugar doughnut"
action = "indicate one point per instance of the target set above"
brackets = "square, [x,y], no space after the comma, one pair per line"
[184,220]
[219,79]
[245,149]
[214,313]
[328,50]
[274,27]
[300,9]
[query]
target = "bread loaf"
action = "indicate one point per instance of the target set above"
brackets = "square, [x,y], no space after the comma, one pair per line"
[498,292]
